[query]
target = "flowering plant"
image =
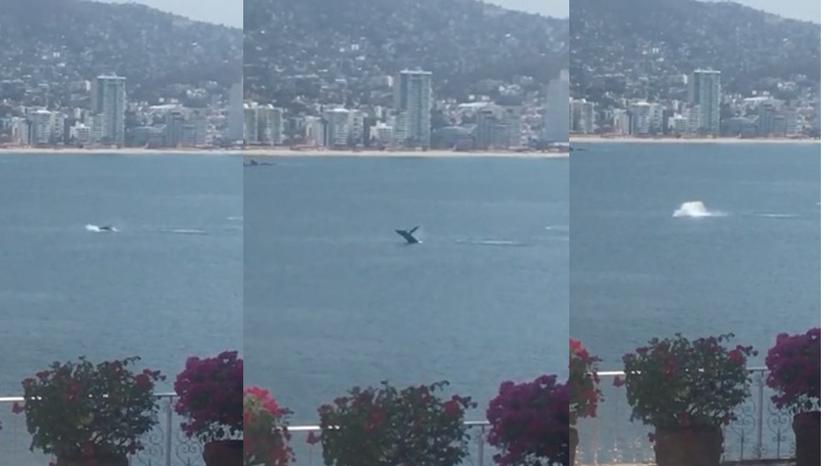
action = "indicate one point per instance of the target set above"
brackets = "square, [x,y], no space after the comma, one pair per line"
[794,371]
[389,427]
[80,410]
[530,423]
[674,382]
[265,430]
[210,395]
[583,382]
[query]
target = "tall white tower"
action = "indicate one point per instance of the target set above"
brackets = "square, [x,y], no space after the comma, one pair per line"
[235,114]
[556,119]
[109,102]
[412,102]
[706,92]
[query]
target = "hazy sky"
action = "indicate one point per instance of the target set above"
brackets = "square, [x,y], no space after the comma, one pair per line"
[556,8]
[228,12]
[807,10]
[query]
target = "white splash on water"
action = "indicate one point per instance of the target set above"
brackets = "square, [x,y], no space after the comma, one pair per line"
[696,209]
[99,229]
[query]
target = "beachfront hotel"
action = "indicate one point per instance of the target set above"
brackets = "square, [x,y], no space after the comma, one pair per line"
[412,103]
[109,105]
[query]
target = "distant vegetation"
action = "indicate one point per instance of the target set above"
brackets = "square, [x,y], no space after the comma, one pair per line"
[464,42]
[61,41]
[648,41]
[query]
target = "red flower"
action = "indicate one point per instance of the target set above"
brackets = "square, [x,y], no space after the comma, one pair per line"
[17,408]
[452,408]
[77,408]
[143,382]
[265,430]
[210,396]
[583,382]
[736,356]
[381,416]
[314,438]
[794,371]
[530,422]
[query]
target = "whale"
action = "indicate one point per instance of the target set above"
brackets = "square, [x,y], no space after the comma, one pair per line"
[408,235]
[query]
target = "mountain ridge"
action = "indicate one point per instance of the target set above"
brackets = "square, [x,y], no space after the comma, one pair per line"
[655,39]
[461,41]
[59,41]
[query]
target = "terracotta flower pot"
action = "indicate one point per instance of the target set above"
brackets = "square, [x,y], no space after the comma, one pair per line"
[224,453]
[690,446]
[573,445]
[806,428]
[104,460]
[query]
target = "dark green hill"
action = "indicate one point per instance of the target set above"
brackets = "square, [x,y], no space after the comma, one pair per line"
[655,39]
[461,41]
[60,41]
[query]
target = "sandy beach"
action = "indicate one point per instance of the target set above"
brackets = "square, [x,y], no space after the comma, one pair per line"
[258,152]
[276,152]
[575,139]
[122,151]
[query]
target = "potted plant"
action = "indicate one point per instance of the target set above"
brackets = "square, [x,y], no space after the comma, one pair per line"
[210,397]
[583,390]
[266,435]
[530,423]
[90,415]
[687,390]
[389,427]
[794,371]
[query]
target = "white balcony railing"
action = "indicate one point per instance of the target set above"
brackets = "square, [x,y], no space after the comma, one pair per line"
[761,432]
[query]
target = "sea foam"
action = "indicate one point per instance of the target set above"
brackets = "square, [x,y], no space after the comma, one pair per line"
[696,209]
[98,229]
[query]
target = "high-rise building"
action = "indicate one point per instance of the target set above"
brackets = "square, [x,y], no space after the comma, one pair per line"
[497,128]
[767,116]
[109,101]
[20,131]
[235,114]
[338,122]
[581,116]
[412,102]
[251,125]
[271,125]
[705,91]
[646,118]
[41,129]
[556,118]
[315,131]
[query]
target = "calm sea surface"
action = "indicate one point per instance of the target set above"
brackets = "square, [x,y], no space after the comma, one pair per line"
[334,298]
[699,239]
[165,286]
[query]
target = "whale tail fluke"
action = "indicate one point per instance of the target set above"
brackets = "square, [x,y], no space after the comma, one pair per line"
[408,235]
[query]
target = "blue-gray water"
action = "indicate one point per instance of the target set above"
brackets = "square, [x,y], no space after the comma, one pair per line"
[751,267]
[333,298]
[167,285]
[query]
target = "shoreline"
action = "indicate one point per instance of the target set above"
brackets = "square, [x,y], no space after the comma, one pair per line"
[275,152]
[402,154]
[122,151]
[631,140]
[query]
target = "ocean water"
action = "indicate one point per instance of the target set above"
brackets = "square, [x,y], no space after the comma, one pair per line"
[335,299]
[700,239]
[166,285]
